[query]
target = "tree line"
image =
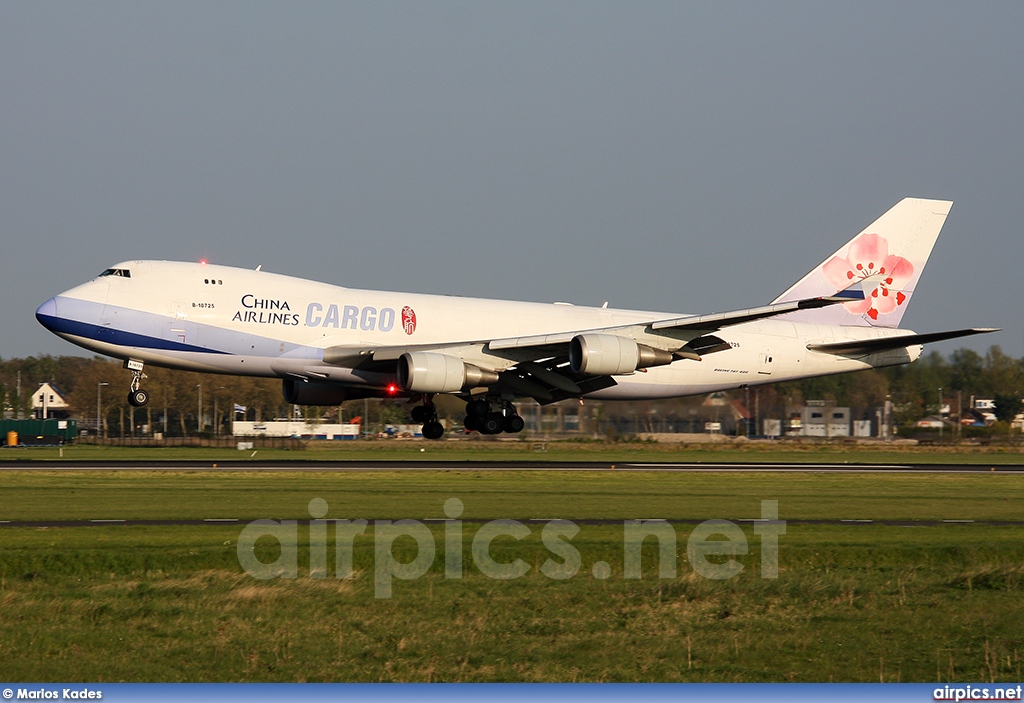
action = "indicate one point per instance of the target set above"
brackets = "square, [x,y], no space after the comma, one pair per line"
[184,402]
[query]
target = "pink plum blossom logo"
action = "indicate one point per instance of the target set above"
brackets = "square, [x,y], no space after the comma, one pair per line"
[884,275]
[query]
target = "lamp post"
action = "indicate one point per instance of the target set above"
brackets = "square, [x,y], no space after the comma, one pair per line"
[199,410]
[887,417]
[99,387]
[216,413]
[941,423]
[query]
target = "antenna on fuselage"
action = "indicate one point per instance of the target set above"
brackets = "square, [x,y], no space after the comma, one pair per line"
[259,267]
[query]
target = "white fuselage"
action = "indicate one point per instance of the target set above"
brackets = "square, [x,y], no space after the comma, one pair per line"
[236,321]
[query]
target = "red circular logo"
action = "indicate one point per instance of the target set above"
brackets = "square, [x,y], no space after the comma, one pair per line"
[408,320]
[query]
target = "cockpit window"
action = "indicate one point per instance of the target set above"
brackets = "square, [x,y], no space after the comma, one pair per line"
[124,273]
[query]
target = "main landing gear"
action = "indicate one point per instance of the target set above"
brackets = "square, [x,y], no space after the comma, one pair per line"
[136,396]
[483,417]
[486,416]
[427,414]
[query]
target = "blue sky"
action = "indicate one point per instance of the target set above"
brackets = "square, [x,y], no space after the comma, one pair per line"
[688,157]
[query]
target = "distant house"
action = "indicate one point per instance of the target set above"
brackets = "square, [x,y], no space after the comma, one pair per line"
[819,420]
[48,403]
[982,412]
[976,418]
[932,422]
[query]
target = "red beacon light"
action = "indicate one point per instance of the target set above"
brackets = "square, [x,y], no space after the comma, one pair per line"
[392,389]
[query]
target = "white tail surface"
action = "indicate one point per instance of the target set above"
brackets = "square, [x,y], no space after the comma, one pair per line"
[887,259]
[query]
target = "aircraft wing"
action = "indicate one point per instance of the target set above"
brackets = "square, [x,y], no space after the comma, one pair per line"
[543,371]
[553,344]
[701,323]
[538,365]
[717,321]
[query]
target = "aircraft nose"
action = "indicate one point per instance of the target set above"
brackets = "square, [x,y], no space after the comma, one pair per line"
[47,312]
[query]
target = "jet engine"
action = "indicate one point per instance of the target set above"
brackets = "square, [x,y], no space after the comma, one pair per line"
[312,393]
[430,372]
[611,355]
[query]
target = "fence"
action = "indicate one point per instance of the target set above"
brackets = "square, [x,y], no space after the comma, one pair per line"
[228,442]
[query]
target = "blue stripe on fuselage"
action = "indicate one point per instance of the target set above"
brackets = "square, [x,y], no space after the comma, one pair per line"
[107,335]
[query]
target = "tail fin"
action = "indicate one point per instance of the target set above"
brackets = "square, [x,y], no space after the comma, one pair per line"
[887,258]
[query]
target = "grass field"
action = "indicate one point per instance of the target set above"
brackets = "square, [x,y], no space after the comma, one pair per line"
[917,601]
[490,449]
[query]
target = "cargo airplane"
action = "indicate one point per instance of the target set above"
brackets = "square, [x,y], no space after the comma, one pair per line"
[328,343]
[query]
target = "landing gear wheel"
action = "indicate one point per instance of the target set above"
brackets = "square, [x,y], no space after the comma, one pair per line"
[433,430]
[514,424]
[492,423]
[471,423]
[138,398]
[421,413]
[477,407]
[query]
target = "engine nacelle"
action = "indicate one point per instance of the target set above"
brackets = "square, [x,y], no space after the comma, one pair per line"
[312,393]
[611,355]
[430,372]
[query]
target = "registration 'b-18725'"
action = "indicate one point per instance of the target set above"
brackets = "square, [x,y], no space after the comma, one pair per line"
[328,343]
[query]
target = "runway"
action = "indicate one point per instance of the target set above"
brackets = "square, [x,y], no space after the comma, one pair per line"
[533,465]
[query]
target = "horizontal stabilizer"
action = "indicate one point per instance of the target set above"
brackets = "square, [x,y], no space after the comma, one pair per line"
[870,346]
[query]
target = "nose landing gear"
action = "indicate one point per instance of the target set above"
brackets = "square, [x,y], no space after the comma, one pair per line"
[136,396]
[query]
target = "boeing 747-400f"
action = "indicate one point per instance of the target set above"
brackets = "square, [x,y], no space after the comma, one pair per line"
[330,343]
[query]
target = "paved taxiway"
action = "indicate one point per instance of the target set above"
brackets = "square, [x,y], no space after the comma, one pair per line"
[537,465]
